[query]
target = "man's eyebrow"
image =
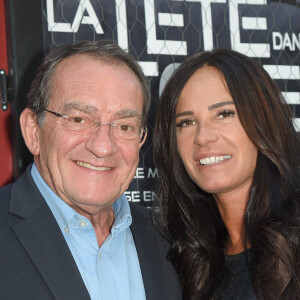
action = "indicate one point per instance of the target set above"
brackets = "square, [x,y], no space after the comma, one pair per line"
[122,114]
[184,113]
[84,108]
[128,113]
[219,104]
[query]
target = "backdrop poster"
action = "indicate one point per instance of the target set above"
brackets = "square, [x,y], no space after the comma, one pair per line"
[161,33]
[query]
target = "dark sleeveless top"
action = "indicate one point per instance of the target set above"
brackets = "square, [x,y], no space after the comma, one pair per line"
[238,281]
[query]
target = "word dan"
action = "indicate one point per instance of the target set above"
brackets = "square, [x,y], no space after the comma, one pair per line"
[283,41]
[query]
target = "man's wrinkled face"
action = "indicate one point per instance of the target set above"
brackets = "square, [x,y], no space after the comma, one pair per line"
[90,170]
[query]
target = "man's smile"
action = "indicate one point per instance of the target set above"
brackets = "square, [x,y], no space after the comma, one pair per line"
[89,166]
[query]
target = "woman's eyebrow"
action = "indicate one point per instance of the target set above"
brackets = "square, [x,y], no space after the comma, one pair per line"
[219,104]
[184,113]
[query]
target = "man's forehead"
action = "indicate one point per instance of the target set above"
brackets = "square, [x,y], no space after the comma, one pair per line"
[84,84]
[77,59]
[90,56]
[81,66]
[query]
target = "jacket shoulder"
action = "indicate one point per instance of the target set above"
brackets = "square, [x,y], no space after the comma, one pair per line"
[160,278]
[5,196]
[140,210]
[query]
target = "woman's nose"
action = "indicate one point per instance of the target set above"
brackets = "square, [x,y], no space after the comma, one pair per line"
[205,133]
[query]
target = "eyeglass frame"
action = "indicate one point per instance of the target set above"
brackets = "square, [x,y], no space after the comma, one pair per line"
[143,130]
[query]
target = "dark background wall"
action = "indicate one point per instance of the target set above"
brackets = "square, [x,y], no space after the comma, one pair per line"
[5,133]
[160,34]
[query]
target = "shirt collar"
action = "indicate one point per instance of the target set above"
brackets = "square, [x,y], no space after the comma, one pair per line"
[63,213]
[122,214]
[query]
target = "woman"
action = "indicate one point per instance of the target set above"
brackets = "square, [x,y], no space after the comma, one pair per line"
[226,151]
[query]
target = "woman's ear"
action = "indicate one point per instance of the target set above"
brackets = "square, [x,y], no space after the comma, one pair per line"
[30,131]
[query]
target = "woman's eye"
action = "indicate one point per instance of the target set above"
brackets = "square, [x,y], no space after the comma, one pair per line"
[225,114]
[186,123]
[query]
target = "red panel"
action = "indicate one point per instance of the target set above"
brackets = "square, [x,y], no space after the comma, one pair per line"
[5,140]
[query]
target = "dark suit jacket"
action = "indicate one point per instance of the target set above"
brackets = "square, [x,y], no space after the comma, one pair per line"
[35,260]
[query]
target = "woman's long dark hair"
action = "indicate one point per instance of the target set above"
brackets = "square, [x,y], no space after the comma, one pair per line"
[190,217]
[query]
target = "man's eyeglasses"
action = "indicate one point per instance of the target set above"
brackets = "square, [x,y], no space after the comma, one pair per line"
[127,129]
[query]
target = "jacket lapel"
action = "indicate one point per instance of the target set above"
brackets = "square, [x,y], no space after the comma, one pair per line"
[158,274]
[43,241]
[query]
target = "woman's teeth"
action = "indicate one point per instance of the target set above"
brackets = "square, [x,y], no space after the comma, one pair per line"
[213,159]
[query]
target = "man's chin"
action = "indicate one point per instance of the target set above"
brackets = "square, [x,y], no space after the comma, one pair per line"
[96,199]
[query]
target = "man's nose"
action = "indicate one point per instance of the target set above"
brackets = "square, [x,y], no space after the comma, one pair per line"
[101,142]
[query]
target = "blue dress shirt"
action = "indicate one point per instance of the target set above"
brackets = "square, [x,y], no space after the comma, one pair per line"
[111,272]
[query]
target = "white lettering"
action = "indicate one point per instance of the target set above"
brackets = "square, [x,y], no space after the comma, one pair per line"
[250,49]
[287,42]
[122,24]
[155,46]
[150,68]
[85,5]
[291,73]
[297,124]
[207,21]
[277,40]
[296,40]
[52,25]
[148,196]
[254,23]
[292,97]
[166,74]
[165,19]
[152,173]
[280,42]
[139,173]
[283,71]
[133,196]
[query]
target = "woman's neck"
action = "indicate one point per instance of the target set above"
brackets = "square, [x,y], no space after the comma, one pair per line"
[232,210]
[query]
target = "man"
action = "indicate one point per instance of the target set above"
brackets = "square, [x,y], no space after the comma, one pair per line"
[67,230]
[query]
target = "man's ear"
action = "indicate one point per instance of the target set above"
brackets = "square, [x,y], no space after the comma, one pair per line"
[30,131]
[144,139]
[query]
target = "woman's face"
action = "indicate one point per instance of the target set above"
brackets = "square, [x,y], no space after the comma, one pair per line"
[215,150]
